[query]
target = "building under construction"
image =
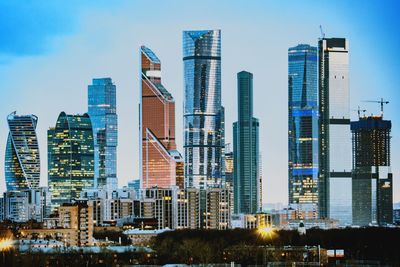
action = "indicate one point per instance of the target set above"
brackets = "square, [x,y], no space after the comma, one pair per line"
[372,187]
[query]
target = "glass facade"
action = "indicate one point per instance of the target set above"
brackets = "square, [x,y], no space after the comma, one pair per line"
[372,178]
[203,113]
[22,159]
[303,125]
[162,164]
[102,112]
[70,157]
[246,150]
[334,181]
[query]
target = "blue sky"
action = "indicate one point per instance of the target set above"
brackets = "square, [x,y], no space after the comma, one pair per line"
[50,51]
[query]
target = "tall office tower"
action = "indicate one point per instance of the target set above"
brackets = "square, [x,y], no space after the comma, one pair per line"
[161,162]
[102,112]
[372,177]
[246,149]
[303,125]
[22,160]
[70,157]
[203,113]
[334,181]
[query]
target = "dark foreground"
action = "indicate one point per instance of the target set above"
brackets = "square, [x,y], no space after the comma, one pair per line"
[245,247]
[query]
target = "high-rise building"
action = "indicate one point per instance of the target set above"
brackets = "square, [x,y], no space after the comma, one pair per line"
[162,164]
[22,159]
[70,157]
[372,177]
[334,181]
[203,113]
[303,125]
[246,149]
[102,111]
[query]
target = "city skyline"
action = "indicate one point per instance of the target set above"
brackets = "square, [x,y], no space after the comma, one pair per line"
[275,177]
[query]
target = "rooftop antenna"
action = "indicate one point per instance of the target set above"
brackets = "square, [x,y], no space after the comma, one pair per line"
[322,32]
[382,101]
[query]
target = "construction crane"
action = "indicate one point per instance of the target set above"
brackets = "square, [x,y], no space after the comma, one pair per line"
[380,102]
[359,110]
[322,32]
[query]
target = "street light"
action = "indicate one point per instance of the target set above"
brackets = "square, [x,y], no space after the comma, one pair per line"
[266,232]
[6,244]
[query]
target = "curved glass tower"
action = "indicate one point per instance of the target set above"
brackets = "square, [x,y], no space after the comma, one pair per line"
[203,113]
[22,160]
[70,157]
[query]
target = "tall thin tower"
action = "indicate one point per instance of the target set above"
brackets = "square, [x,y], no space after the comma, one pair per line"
[246,156]
[334,181]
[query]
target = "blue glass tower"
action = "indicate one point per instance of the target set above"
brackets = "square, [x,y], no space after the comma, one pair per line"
[22,160]
[203,113]
[102,112]
[246,150]
[303,125]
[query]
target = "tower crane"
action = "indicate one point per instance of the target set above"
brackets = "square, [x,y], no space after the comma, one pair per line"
[382,101]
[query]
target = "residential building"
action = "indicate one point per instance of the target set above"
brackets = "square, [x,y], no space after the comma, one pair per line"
[73,228]
[102,110]
[24,205]
[246,150]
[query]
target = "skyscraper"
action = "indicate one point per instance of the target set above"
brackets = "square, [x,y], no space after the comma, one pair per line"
[372,178]
[102,112]
[203,113]
[22,159]
[303,125]
[246,149]
[162,164]
[70,157]
[334,181]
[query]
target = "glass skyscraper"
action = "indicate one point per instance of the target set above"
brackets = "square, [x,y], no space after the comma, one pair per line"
[102,112]
[334,181]
[162,164]
[70,157]
[303,125]
[203,113]
[246,154]
[22,159]
[372,178]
